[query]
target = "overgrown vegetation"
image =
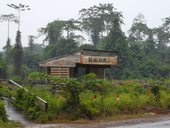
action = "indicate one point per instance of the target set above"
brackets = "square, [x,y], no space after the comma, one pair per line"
[88,97]
[3,115]
[10,124]
[4,122]
[3,93]
[143,54]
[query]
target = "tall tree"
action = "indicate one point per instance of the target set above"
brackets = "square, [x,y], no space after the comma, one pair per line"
[18,55]
[139,30]
[8,49]
[3,68]
[142,34]
[150,45]
[162,34]
[166,26]
[31,42]
[116,41]
[53,31]
[160,37]
[71,26]
[97,21]
[60,33]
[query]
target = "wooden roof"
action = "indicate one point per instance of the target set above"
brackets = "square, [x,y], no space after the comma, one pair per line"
[90,57]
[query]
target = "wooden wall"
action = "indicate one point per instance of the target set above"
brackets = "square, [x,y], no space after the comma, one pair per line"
[60,71]
[66,72]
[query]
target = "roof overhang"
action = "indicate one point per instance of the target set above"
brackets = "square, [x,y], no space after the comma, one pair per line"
[86,57]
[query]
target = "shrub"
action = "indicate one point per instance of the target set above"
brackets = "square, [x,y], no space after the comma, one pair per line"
[125,103]
[152,100]
[4,91]
[141,101]
[36,76]
[56,103]
[89,81]
[27,102]
[24,99]
[108,104]
[57,80]
[90,103]
[164,99]
[131,102]
[3,115]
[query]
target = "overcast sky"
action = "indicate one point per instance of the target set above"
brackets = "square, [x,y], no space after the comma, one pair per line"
[44,11]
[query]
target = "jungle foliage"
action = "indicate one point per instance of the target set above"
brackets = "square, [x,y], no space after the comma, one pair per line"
[143,51]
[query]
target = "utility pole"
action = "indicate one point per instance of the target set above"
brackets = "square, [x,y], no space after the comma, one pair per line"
[19,8]
[8,18]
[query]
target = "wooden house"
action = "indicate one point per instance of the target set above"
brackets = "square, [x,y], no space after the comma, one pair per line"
[80,63]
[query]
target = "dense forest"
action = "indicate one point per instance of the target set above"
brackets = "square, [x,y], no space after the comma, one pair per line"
[143,52]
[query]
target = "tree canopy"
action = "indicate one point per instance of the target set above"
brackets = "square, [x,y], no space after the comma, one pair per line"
[142,52]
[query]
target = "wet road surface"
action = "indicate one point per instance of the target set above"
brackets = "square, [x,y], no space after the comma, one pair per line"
[161,124]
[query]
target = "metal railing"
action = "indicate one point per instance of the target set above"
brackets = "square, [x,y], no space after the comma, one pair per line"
[40,99]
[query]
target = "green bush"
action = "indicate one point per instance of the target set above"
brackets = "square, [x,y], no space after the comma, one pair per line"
[4,92]
[108,105]
[56,102]
[152,100]
[164,99]
[3,115]
[33,112]
[125,103]
[24,99]
[36,76]
[57,80]
[90,103]
[131,103]
[91,82]
[27,102]
[72,90]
